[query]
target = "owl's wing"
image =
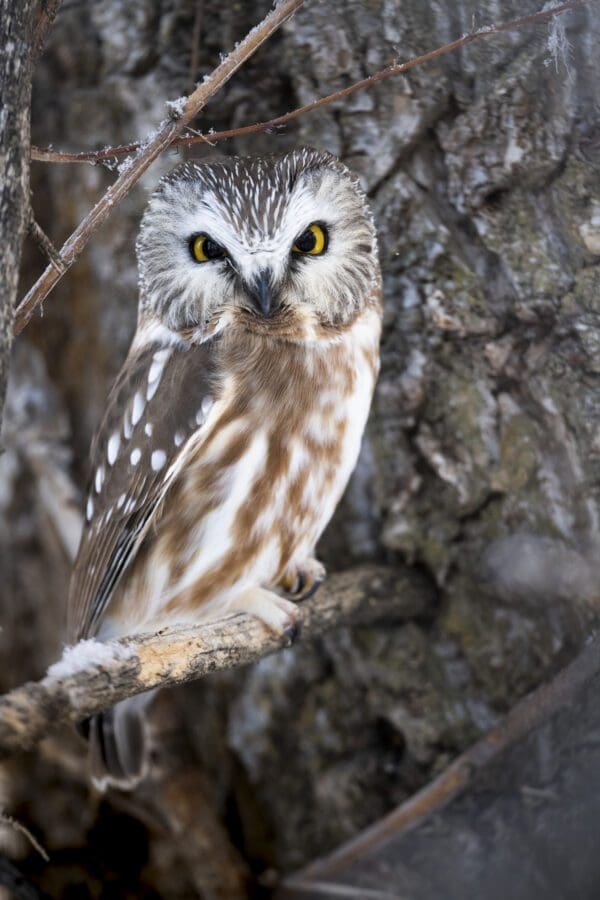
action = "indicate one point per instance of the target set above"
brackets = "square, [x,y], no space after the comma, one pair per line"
[160,398]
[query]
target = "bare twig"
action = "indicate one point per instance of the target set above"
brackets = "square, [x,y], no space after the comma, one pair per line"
[93,677]
[22,829]
[46,246]
[96,156]
[529,714]
[168,133]
[183,112]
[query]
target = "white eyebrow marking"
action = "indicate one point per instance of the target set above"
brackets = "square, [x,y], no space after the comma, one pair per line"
[89,509]
[138,408]
[136,455]
[158,459]
[149,428]
[114,442]
[99,479]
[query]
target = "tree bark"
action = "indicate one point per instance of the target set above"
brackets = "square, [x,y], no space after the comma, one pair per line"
[16,24]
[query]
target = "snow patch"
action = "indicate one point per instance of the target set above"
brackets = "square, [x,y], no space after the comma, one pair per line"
[87,654]
[176,107]
[125,164]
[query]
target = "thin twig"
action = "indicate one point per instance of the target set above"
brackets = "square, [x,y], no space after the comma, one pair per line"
[183,112]
[5,819]
[95,156]
[92,677]
[169,131]
[530,713]
[46,246]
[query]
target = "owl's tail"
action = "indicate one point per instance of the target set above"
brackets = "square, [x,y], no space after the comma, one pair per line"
[117,739]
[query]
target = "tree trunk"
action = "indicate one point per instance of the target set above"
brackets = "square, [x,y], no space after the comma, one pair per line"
[16,17]
[481,465]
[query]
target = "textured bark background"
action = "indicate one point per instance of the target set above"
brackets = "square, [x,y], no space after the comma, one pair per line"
[480,468]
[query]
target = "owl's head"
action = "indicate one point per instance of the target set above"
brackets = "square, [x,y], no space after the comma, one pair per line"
[263,240]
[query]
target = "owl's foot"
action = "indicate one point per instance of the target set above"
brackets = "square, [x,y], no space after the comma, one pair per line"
[302,581]
[280,615]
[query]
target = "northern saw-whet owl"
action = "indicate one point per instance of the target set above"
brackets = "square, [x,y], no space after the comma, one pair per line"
[236,420]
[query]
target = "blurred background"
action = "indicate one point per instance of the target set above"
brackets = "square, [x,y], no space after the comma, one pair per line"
[479,475]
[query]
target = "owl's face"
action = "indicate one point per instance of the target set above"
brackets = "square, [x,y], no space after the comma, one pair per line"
[264,240]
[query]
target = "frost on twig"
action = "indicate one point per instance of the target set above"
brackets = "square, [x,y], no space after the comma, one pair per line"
[558,46]
[272,126]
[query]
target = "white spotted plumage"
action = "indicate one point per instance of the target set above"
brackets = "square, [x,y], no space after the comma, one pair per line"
[157,459]
[137,408]
[114,442]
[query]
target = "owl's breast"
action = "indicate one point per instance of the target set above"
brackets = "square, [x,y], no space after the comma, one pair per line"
[325,440]
[253,496]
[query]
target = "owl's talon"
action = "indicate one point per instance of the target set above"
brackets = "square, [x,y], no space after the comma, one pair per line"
[303,582]
[280,615]
[299,585]
[292,633]
[311,591]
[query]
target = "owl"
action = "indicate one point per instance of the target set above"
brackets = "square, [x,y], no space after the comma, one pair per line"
[236,420]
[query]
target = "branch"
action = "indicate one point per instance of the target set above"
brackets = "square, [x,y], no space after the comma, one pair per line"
[564,692]
[183,111]
[46,246]
[168,133]
[107,153]
[93,676]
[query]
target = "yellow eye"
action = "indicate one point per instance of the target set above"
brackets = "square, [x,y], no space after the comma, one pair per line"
[203,248]
[312,241]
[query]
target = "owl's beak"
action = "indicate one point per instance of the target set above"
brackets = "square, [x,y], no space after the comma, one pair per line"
[261,293]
